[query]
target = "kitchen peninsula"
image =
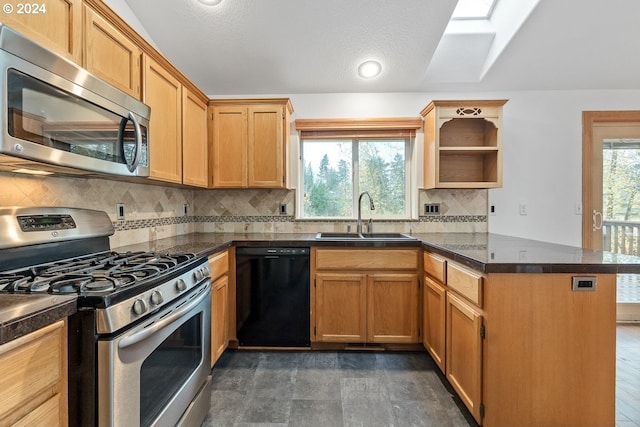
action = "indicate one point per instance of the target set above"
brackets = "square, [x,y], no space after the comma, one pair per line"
[527,328]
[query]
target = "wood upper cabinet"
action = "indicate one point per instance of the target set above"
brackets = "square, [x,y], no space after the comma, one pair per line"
[195,160]
[110,55]
[58,27]
[229,146]
[463,144]
[365,295]
[249,142]
[33,378]
[163,93]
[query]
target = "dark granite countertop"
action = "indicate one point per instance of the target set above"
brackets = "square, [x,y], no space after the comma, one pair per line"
[485,252]
[21,314]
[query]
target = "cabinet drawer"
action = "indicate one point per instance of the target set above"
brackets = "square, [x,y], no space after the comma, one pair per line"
[366,259]
[467,283]
[219,264]
[435,266]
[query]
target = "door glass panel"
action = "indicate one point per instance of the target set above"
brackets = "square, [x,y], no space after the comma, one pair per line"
[165,371]
[621,215]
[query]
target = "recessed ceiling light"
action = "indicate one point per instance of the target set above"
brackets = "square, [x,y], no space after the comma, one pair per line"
[369,69]
[210,2]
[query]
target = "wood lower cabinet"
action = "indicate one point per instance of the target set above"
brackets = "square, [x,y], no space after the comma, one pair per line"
[249,142]
[341,307]
[57,27]
[392,308]
[464,352]
[354,303]
[220,313]
[219,317]
[33,378]
[434,308]
[110,55]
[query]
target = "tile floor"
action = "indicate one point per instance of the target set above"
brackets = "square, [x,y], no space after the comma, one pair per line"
[367,389]
[628,375]
[331,389]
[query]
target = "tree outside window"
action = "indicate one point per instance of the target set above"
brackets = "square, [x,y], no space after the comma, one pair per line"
[335,171]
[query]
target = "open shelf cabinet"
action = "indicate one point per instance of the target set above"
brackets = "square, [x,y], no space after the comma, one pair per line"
[463,144]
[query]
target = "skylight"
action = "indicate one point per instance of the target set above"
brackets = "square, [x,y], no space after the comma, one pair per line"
[473,9]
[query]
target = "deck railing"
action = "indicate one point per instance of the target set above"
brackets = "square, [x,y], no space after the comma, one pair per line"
[621,237]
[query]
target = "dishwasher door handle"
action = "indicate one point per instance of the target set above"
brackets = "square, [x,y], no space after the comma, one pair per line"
[272,257]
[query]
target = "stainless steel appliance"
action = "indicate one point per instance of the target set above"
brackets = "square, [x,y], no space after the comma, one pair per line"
[63,118]
[140,343]
[272,297]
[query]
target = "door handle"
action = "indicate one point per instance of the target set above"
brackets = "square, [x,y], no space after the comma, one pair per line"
[595,216]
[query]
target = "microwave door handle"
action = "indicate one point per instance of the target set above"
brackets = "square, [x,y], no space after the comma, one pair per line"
[136,159]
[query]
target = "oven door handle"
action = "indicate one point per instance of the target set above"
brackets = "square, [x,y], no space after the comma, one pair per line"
[136,337]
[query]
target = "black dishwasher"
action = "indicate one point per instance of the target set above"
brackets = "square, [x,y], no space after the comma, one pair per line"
[272,297]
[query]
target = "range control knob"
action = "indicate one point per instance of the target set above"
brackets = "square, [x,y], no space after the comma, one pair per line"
[181,285]
[198,275]
[139,307]
[205,271]
[156,298]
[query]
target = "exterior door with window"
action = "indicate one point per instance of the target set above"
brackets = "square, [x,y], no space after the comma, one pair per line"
[611,194]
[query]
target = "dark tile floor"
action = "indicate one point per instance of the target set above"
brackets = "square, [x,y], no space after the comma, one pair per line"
[331,389]
[367,389]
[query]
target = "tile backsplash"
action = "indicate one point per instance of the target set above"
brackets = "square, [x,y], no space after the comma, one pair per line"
[156,211]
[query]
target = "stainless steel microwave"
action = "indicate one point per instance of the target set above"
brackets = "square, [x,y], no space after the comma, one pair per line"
[57,116]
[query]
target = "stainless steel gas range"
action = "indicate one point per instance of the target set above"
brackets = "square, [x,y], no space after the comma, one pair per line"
[139,344]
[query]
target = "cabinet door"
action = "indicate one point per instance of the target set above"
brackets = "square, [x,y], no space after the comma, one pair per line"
[110,55]
[266,146]
[33,378]
[392,308]
[341,307]
[229,147]
[464,352]
[194,140]
[163,93]
[58,28]
[219,317]
[434,313]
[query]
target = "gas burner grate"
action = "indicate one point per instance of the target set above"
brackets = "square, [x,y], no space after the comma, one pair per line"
[103,272]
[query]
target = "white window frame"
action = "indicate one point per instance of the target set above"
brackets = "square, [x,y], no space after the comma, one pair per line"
[411,161]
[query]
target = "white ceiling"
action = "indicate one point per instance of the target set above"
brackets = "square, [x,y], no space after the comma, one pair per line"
[252,47]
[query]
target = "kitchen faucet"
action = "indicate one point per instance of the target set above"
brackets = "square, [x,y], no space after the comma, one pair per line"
[371,207]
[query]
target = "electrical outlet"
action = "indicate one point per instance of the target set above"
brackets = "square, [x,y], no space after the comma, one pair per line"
[492,210]
[120,211]
[432,208]
[185,209]
[524,209]
[283,209]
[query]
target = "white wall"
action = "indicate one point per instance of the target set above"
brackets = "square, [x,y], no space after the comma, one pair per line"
[542,143]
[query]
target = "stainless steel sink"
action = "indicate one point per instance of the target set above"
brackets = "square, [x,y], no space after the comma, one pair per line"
[363,236]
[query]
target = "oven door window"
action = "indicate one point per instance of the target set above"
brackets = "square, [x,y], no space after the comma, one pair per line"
[169,366]
[43,114]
